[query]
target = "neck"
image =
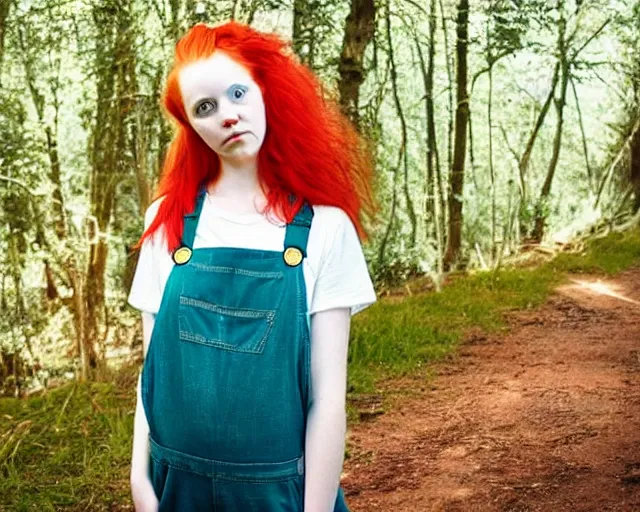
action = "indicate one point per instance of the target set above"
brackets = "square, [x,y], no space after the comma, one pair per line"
[238,188]
[238,179]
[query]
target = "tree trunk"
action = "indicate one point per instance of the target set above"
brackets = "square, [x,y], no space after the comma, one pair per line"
[634,171]
[164,128]
[140,145]
[447,60]
[472,157]
[115,62]
[5,6]
[303,30]
[392,216]
[635,168]
[433,159]
[585,149]
[454,242]
[146,116]
[523,163]
[492,170]
[492,173]
[403,144]
[298,17]
[440,205]
[359,30]
[541,207]
[427,80]
[433,156]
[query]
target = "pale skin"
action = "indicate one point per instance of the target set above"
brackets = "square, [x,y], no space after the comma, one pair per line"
[221,99]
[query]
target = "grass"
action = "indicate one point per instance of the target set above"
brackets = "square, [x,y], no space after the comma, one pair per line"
[392,339]
[608,255]
[69,449]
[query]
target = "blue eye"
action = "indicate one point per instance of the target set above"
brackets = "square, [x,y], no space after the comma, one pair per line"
[206,107]
[236,92]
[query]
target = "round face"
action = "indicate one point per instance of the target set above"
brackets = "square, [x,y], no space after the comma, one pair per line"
[224,106]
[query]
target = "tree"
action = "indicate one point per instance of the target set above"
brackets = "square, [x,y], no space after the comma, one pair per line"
[402,149]
[635,168]
[303,34]
[454,240]
[634,79]
[434,204]
[110,151]
[5,7]
[358,33]
[504,29]
[566,59]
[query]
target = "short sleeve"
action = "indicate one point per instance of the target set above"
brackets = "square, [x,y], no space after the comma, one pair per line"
[343,277]
[147,286]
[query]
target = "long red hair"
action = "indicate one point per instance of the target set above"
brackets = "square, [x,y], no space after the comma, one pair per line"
[310,149]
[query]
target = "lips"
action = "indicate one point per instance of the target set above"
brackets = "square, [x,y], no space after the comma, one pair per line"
[233,136]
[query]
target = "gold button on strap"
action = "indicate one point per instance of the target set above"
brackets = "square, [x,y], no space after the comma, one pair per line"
[293,256]
[181,255]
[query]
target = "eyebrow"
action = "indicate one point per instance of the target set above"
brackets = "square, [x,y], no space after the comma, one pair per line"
[200,97]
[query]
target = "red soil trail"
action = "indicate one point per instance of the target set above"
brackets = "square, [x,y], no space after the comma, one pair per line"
[544,418]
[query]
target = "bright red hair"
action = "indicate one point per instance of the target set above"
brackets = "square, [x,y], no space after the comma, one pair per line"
[310,149]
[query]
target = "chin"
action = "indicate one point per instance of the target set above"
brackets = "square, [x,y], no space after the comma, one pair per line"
[245,150]
[240,155]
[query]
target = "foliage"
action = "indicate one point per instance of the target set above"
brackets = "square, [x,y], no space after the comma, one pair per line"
[55,54]
[20,166]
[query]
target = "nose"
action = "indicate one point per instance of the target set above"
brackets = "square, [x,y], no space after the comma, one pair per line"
[228,122]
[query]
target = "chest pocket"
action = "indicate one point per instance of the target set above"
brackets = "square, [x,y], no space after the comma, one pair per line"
[237,330]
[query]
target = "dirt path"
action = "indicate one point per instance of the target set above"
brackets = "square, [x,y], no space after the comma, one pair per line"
[545,418]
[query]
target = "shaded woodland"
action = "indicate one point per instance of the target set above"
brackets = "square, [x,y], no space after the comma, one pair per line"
[497,126]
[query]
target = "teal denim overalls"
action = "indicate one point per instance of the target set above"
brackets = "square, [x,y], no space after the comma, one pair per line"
[225,383]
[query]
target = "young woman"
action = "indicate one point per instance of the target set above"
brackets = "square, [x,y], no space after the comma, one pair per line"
[250,268]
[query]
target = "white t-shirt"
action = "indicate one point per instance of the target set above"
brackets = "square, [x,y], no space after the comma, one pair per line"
[335,271]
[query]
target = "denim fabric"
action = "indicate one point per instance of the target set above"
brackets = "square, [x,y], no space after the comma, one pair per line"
[225,383]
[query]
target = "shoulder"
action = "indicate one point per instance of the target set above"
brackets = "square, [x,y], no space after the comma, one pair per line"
[330,219]
[333,226]
[341,275]
[332,236]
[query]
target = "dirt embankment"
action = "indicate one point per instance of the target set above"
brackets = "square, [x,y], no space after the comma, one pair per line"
[544,418]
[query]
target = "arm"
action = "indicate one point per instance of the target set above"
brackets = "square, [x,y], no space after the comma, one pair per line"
[326,422]
[141,487]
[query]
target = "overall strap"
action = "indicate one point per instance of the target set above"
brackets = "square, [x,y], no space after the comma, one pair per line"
[297,234]
[191,220]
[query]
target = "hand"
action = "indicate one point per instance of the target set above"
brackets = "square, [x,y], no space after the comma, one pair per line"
[144,497]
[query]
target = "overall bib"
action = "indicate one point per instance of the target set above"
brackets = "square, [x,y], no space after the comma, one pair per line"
[225,383]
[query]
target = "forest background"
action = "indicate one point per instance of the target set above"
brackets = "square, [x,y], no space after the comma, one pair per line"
[503,132]
[496,126]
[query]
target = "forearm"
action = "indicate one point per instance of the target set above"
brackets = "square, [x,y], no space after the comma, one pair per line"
[140,451]
[324,454]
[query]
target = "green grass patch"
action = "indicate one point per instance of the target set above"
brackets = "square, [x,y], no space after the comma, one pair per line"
[68,449]
[399,336]
[391,339]
[607,255]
